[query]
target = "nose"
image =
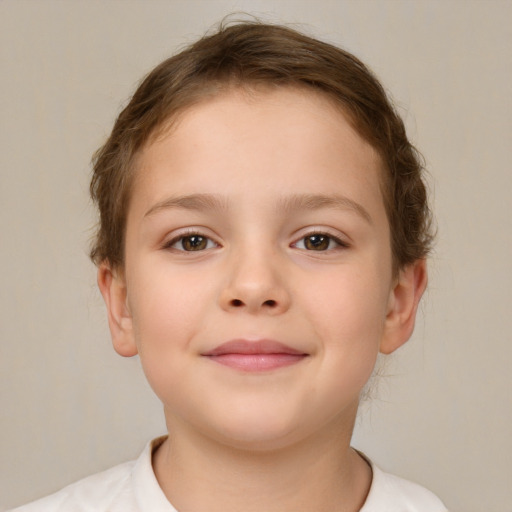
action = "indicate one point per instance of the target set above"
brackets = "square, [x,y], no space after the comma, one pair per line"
[256,285]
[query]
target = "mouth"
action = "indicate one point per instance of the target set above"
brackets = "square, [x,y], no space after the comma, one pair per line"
[255,356]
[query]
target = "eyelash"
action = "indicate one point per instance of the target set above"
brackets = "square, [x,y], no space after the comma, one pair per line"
[188,236]
[339,244]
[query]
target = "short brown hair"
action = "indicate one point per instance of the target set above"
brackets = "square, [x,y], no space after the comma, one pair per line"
[253,53]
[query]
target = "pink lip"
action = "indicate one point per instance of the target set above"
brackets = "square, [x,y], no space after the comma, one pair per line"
[253,356]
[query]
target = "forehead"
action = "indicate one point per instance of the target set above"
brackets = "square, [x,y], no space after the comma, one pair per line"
[282,139]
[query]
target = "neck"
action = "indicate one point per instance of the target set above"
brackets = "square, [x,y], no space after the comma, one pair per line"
[322,473]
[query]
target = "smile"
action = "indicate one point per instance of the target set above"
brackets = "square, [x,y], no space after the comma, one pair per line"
[255,356]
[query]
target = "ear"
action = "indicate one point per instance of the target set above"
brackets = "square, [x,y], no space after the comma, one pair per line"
[112,285]
[402,306]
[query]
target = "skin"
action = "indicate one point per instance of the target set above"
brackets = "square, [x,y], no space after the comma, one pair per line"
[245,171]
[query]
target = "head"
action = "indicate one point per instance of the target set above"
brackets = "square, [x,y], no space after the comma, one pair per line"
[251,55]
[259,193]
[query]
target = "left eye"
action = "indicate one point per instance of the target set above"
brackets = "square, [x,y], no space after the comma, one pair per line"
[191,243]
[318,242]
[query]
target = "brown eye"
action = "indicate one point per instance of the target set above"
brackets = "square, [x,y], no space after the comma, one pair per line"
[194,243]
[191,243]
[317,242]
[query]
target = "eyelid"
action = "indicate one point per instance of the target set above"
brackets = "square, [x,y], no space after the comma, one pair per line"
[340,240]
[187,232]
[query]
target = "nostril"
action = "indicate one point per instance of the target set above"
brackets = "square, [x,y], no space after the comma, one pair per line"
[237,303]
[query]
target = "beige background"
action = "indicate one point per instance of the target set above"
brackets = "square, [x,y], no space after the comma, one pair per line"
[69,406]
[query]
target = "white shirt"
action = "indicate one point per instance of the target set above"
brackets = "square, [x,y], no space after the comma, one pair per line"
[133,487]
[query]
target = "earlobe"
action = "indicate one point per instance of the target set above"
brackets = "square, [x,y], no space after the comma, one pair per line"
[113,288]
[403,305]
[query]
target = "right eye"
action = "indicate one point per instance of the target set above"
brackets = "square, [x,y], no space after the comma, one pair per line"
[191,242]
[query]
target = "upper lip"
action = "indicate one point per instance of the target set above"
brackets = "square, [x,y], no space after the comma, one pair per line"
[247,347]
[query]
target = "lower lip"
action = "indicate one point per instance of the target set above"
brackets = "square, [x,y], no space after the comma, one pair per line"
[257,362]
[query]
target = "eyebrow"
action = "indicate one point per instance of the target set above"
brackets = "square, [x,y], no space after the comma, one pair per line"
[319,201]
[189,202]
[287,205]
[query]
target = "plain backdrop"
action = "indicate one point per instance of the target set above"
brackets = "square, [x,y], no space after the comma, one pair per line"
[69,406]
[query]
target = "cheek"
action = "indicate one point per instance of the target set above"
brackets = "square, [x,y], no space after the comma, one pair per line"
[349,317]
[167,309]
[164,322]
[349,301]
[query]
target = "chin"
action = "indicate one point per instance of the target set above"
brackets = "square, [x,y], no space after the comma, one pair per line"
[260,431]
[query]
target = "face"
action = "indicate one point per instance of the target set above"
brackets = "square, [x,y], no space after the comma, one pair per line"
[257,287]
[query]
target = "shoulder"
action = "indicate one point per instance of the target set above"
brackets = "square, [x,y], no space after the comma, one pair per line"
[390,493]
[95,493]
[129,487]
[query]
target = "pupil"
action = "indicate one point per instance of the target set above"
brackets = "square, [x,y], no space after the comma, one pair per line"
[317,242]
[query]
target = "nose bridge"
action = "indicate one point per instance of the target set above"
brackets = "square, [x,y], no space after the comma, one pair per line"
[255,279]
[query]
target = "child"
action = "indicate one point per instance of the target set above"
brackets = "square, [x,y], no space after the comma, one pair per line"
[263,234]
